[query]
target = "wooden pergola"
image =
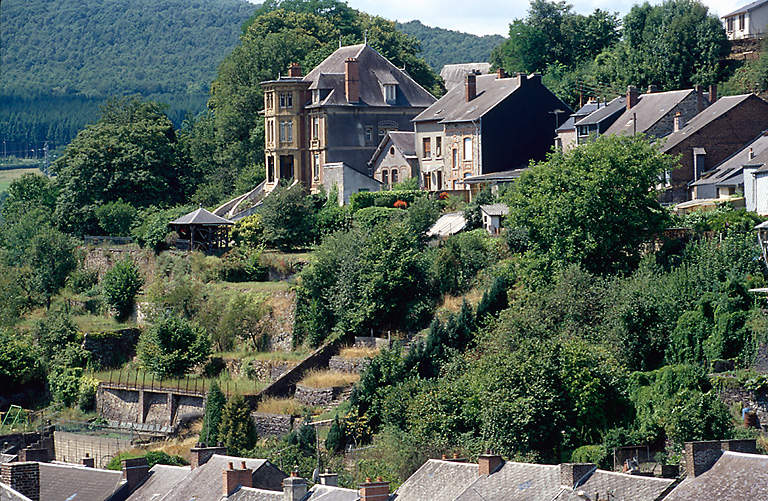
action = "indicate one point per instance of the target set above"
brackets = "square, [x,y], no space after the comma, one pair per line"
[202,230]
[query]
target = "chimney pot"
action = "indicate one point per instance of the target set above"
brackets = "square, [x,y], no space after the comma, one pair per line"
[500,73]
[652,88]
[633,97]
[352,80]
[677,118]
[455,455]
[294,70]
[444,457]
[242,463]
[374,491]
[751,153]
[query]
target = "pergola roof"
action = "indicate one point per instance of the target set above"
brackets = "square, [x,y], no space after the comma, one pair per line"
[202,217]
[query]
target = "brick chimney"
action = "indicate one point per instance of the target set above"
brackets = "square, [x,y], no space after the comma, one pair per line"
[294,70]
[470,87]
[294,487]
[232,479]
[33,453]
[701,103]
[200,454]
[88,461]
[135,472]
[712,93]
[677,120]
[374,491]
[633,97]
[352,80]
[747,445]
[500,73]
[331,479]
[23,477]
[701,456]
[488,463]
[572,473]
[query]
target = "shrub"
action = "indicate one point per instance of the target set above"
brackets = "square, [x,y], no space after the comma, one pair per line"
[336,440]
[86,399]
[595,454]
[366,199]
[243,264]
[64,384]
[82,280]
[53,333]
[19,364]
[153,231]
[121,283]
[371,217]
[288,217]
[153,458]
[249,231]
[456,263]
[172,346]
[116,218]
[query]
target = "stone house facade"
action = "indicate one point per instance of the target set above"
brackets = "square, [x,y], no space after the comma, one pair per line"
[492,123]
[749,21]
[395,159]
[337,114]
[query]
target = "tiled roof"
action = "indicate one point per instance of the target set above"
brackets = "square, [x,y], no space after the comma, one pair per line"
[650,109]
[706,117]
[733,165]
[204,483]
[454,74]
[65,482]
[747,8]
[584,111]
[202,216]
[405,142]
[619,486]
[251,494]
[515,482]
[734,477]
[162,479]
[453,106]
[317,493]
[375,71]
[506,175]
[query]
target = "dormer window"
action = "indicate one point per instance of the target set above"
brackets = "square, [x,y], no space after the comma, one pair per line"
[390,93]
[315,96]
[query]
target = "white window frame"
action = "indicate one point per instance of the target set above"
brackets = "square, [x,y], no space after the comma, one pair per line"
[286,131]
[468,154]
[390,93]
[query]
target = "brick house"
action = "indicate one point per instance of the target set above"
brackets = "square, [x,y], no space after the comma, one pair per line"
[395,159]
[337,114]
[492,123]
[710,138]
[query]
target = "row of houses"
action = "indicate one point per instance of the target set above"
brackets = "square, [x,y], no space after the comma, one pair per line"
[727,470]
[359,123]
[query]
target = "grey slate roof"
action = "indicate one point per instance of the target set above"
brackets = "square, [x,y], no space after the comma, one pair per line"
[506,175]
[204,483]
[405,142]
[735,476]
[317,493]
[733,165]
[63,482]
[8,494]
[449,481]
[609,110]
[453,106]
[162,479]
[649,110]
[202,217]
[375,71]
[454,74]
[437,480]
[583,112]
[706,117]
[747,8]
[495,209]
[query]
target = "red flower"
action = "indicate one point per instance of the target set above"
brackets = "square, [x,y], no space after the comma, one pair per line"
[443,195]
[401,204]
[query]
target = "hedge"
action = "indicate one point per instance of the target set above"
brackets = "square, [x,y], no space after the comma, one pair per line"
[366,199]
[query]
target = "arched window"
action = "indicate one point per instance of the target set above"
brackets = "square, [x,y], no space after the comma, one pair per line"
[385,177]
[394,176]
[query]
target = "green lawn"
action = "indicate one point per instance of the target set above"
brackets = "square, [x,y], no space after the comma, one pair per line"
[8,176]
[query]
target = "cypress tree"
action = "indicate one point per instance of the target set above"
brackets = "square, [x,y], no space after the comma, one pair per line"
[214,405]
[494,299]
[334,442]
[237,430]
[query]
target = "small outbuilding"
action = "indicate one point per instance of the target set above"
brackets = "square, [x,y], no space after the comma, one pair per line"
[202,230]
[492,215]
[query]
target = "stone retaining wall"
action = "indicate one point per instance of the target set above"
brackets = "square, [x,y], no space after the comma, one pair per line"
[371,342]
[758,402]
[316,397]
[111,349]
[272,425]
[353,365]
[265,371]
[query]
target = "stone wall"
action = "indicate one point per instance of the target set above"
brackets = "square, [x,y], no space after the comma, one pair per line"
[261,370]
[353,365]
[735,394]
[121,406]
[272,425]
[72,447]
[316,397]
[21,440]
[111,349]
[153,411]
[102,259]
[285,385]
[371,342]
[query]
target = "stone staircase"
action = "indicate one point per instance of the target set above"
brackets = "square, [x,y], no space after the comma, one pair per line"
[343,397]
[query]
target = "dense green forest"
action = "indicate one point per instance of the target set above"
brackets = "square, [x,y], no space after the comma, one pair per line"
[440,46]
[60,60]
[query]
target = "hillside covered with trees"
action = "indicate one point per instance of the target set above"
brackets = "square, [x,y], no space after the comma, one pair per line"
[440,46]
[61,59]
